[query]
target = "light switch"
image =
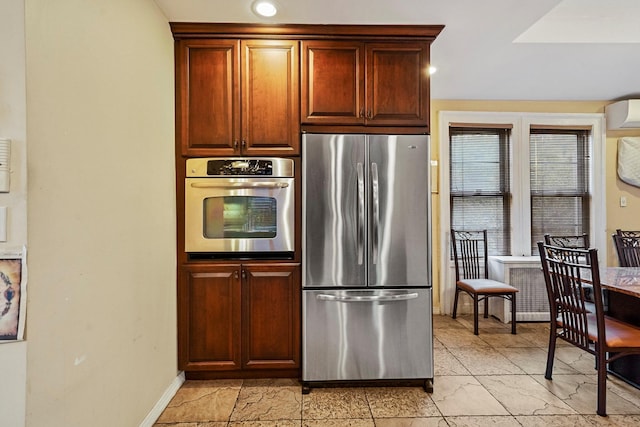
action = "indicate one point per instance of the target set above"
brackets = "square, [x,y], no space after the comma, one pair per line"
[623,202]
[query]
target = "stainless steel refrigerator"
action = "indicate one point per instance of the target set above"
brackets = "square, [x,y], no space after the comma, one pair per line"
[367,303]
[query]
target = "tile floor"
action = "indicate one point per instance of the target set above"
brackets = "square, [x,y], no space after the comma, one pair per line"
[494,379]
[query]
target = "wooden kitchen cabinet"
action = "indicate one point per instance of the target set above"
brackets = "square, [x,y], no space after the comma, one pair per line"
[365,83]
[239,317]
[237,97]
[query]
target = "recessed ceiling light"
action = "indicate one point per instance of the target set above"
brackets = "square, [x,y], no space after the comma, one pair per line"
[264,8]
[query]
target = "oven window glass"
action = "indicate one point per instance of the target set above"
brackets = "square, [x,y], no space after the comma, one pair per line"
[240,217]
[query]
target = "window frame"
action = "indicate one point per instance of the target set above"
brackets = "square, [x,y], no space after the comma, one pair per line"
[521,123]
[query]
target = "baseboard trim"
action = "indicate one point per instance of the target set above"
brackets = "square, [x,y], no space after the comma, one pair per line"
[161,404]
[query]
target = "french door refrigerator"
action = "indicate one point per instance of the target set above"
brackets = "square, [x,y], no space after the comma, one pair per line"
[367,303]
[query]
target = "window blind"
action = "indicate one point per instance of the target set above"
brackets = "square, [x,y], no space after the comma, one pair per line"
[479,180]
[559,178]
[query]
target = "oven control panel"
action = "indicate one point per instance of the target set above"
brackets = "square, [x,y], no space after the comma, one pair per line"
[239,166]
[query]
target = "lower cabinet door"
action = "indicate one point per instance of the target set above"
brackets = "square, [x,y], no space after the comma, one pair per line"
[271,316]
[209,318]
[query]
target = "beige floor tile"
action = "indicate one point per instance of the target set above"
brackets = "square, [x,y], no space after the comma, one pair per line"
[437,343]
[329,403]
[534,360]
[504,338]
[464,395]
[202,424]
[264,400]
[202,401]
[624,390]
[552,421]
[580,392]
[445,363]
[522,395]
[399,402]
[276,423]
[483,324]
[579,360]
[496,421]
[455,338]
[411,422]
[346,422]
[485,361]
[614,420]
[446,322]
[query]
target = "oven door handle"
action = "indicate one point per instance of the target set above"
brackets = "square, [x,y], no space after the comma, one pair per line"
[240,185]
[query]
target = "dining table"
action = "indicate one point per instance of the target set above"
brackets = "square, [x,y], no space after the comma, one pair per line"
[623,301]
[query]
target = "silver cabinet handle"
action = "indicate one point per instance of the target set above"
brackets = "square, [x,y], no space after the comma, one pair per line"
[376,212]
[360,215]
[240,185]
[368,298]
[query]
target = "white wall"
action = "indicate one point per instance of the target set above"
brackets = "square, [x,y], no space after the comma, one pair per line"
[101,324]
[13,355]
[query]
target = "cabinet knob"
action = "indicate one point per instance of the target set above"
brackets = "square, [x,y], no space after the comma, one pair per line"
[235,274]
[361,113]
[244,144]
[235,145]
[369,115]
[244,274]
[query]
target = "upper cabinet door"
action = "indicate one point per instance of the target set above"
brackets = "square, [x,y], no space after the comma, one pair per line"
[207,96]
[332,82]
[365,83]
[397,84]
[270,97]
[238,97]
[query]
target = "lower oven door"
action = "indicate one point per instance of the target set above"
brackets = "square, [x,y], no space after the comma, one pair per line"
[239,215]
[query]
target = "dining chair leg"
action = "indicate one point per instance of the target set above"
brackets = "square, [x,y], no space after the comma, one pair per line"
[486,306]
[513,313]
[602,385]
[455,303]
[551,352]
[475,314]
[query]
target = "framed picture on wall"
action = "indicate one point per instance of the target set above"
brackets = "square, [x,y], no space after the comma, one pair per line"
[13,295]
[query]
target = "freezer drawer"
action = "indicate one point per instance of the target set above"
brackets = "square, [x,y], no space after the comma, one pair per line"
[367,335]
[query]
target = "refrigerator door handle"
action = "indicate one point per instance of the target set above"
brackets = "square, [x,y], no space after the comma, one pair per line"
[368,298]
[360,219]
[376,212]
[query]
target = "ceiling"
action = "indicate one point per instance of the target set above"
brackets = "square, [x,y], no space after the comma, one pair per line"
[489,49]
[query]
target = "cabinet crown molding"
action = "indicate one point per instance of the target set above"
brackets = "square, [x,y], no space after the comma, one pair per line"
[301,31]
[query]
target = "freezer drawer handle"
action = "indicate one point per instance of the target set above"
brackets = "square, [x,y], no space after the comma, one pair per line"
[241,185]
[380,298]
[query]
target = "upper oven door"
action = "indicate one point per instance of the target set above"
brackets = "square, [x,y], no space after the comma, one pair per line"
[239,215]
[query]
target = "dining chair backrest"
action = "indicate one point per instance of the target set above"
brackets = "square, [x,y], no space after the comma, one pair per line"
[580,241]
[566,271]
[628,233]
[470,254]
[628,249]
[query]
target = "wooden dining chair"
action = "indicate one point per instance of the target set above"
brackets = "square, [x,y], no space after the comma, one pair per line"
[565,272]
[628,250]
[472,275]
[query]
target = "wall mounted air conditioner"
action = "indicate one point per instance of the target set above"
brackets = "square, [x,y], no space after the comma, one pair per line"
[623,114]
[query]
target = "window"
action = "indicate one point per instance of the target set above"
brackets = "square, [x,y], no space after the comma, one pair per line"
[559,168]
[479,176]
[521,175]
